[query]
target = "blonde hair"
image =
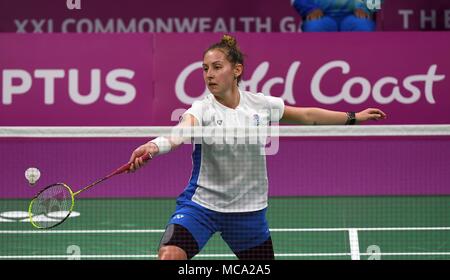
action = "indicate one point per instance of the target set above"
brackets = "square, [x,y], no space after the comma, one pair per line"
[229,41]
[228,45]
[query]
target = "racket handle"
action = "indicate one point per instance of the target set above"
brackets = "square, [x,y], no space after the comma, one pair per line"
[126,166]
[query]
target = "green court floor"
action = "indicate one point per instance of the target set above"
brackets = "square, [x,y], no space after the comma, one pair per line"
[301,227]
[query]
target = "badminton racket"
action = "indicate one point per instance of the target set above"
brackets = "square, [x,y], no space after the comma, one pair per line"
[54,204]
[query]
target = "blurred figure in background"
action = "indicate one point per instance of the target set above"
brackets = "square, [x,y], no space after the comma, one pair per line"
[334,15]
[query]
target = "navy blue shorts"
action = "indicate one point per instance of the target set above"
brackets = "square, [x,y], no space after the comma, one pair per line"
[241,231]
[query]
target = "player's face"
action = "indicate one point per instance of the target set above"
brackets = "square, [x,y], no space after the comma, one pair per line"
[218,72]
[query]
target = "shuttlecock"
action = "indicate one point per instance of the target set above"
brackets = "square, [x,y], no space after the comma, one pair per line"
[32,174]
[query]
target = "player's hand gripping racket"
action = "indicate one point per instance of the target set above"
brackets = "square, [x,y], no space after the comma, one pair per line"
[60,199]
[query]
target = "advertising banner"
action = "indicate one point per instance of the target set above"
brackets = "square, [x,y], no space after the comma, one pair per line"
[149,79]
[407,15]
[142,16]
[145,79]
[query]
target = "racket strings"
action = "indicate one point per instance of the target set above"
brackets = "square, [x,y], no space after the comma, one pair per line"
[51,206]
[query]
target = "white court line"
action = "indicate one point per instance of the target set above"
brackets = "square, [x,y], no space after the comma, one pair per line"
[272,230]
[354,244]
[410,254]
[82,231]
[72,256]
[155,256]
[402,228]
[357,229]
[215,255]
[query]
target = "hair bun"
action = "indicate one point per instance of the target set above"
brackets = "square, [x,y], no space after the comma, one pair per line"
[229,41]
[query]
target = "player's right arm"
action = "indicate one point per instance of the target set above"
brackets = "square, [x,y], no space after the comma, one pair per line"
[160,145]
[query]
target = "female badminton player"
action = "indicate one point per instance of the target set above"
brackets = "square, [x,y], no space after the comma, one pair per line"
[228,188]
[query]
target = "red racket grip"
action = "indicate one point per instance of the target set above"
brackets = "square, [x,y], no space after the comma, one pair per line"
[126,166]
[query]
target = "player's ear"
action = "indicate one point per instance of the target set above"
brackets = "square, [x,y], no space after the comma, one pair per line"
[238,68]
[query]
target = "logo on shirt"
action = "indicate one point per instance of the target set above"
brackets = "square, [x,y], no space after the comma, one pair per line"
[212,118]
[256,120]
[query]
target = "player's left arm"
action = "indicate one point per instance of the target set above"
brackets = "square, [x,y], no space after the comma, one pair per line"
[319,116]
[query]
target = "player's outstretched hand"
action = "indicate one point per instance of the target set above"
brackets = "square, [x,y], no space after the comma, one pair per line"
[136,157]
[370,114]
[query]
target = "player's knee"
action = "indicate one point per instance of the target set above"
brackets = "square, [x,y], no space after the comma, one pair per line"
[177,243]
[171,253]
